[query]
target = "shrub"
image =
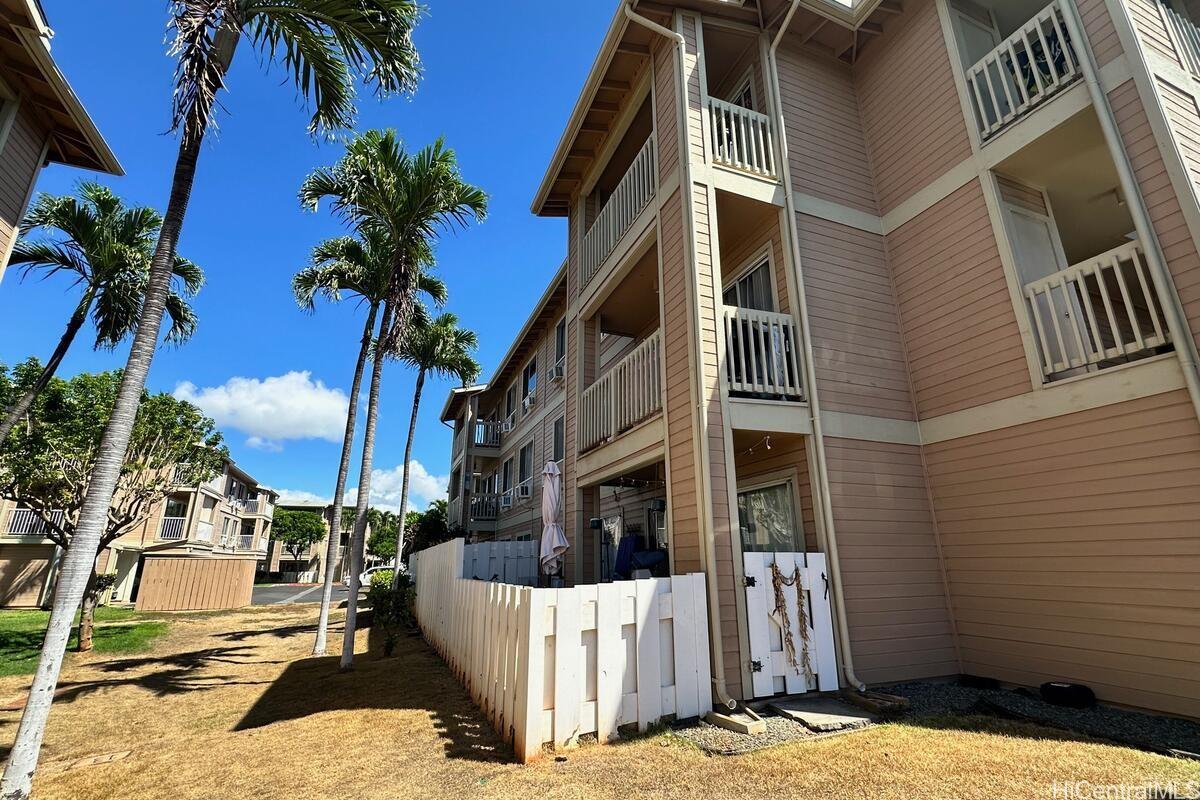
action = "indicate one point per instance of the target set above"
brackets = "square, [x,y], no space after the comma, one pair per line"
[391,609]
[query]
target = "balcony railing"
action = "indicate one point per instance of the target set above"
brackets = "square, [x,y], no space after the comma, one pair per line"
[172,528]
[742,138]
[454,512]
[1102,310]
[627,394]
[1186,35]
[27,522]
[485,507]
[762,354]
[179,475]
[631,196]
[1023,71]
[246,541]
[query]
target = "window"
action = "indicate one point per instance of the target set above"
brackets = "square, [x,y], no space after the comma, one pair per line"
[176,508]
[753,289]
[768,522]
[560,439]
[525,463]
[743,95]
[560,341]
[529,379]
[506,476]
[510,401]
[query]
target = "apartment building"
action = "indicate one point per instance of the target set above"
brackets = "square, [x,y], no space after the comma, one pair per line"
[41,119]
[310,567]
[197,549]
[913,284]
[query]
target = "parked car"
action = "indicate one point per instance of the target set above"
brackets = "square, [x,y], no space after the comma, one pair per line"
[364,579]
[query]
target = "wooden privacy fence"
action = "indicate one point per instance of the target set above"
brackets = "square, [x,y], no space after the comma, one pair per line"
[550,665]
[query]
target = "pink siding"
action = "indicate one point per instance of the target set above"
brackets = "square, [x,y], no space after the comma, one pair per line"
[1098,26]
[914,125]
[666,107]
[1176,240]
[1071,550]
[964,347]
[19,169]
[856,335]
[828,152]
[892,578]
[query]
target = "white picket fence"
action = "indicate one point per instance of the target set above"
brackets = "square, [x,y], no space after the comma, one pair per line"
[547,666]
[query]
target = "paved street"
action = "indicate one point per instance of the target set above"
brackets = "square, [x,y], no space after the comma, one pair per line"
[284,593]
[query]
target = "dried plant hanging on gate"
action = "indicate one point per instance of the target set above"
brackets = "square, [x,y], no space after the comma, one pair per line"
[789,644]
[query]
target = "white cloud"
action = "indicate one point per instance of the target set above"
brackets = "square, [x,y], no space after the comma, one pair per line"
[273,410]
[386,485]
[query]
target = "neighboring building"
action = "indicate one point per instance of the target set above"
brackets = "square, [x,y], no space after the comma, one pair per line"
[197,549]
[280,565]
[946,335]
[41,120]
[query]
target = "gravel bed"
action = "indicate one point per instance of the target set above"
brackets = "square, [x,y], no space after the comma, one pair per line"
[724,742]
[1145,731]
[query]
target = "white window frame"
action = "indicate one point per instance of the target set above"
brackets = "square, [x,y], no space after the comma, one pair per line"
[764,253]
[765,481]
[744,84]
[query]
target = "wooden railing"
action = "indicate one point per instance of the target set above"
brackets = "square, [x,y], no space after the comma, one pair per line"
[1186,36]
[517,650]
[631,196]
[762,353]
[627,394]
[485,507]
[1104,309]
[741,138]
[1023,71]
[27,522]
[172,528]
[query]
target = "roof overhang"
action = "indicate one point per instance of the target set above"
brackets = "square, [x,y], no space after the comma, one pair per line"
[456,396]
[25,60]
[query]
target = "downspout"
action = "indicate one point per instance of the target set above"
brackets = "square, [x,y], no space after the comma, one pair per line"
[1185,345]
[810,373]
[709,549]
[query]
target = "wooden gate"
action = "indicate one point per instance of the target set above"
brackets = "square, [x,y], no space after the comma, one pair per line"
[773,671]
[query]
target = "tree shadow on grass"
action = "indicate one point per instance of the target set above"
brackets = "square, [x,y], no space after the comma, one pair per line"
[283,632]
[415,678]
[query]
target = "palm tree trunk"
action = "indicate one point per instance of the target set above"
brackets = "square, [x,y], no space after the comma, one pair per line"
[22,406]
[412,429]
[93,515]
[339,490]
[364,491]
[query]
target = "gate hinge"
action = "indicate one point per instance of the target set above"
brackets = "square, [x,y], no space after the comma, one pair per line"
[749,581]
[756,665]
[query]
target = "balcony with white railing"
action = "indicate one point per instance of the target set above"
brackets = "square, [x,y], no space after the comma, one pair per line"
[485,507]
[454,511]
[1099,313]
[1025,70]
[246,541]
[762,354]
[624,396]
[742,139]
[27,522]
[1186,36]
[172,529]
[626,203]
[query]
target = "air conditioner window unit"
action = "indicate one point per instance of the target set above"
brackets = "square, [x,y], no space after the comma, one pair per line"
[559,371]
[506,502]
[529,402]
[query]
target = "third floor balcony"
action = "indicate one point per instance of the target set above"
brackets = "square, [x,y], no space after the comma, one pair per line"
[620,210]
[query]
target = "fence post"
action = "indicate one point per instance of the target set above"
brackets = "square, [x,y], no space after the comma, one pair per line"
[531,638]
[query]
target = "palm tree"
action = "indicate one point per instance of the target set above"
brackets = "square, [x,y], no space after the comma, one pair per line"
[378,186]
[360,267]
[321,45]
[105,248]
[442,349]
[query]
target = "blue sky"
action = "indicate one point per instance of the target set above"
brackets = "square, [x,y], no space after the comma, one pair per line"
[500,81]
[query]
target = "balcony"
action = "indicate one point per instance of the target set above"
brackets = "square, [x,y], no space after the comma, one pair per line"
[1099,313]
[762,354]
[172,529]
[27,522]
[629,393]
[485,507]
[742,139]
[628,200]
[1025,70]
[1186,35]
[246,541]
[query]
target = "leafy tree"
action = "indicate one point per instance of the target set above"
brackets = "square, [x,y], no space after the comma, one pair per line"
[321,45]
[46,464]
[105,248]
[297,530]
[359,267]
[440,348]
[378,186]
[428,528]
[384,534]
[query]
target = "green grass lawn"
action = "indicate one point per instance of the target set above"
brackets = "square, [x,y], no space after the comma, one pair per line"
[21,634]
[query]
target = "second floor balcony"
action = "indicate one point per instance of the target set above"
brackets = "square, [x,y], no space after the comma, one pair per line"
[172,529]
[27,522]
[627,394]
[762,354]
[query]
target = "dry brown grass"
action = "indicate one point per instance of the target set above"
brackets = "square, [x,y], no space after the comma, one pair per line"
[231,706]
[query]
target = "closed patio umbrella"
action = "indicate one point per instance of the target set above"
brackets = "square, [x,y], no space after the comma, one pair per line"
[554,543]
